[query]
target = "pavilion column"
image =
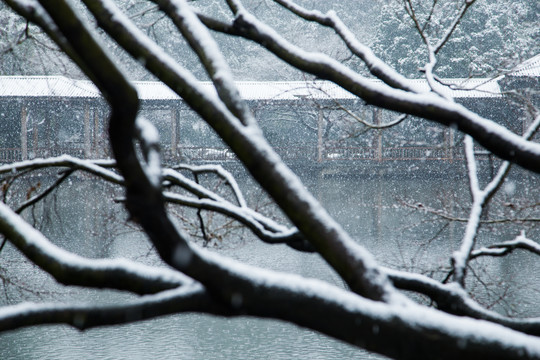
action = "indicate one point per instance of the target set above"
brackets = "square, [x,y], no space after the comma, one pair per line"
[24,133]
[97,133]
[35,138]
[87,145]
[377,121]
[174,131]
[320,142]
[450,144]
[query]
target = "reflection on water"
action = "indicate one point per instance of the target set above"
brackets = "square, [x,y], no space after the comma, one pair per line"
[371,209]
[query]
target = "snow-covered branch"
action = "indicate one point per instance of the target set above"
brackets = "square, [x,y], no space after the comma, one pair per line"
[271,236]
[96,167]
[373,314]
[206,48]
[187,298]
[149,138]
[71,269]
[266,229]
[489,134]
[480,198]
[455,300]
[376,66]
[222,173]
[359,271]
[507,247]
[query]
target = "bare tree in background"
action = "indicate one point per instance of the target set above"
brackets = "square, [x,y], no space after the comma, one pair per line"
[374,313]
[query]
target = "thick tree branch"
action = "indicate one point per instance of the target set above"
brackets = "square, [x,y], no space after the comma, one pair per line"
[455,300]
[376,66]
[385,318]
[206,48]
[70,269]
[188,298]
[350,260]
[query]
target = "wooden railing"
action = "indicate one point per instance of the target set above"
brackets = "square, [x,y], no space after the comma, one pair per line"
[8,155]
[55,151]
[352,153]
[292,153]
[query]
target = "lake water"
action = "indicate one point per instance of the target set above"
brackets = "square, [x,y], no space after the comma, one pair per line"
[371,208]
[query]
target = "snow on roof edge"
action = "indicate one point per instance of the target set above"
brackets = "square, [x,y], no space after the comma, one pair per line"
[60,86]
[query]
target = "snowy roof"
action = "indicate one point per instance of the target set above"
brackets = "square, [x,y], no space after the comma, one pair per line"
[46,86]
[530,68]
[319,90]
[59,86]
[256,90]
[464,88]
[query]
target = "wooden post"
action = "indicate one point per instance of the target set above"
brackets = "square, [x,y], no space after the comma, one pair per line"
[174,140]
[97,134]
[87,153]
[24,133]
[377,121]
[320,143]
[35,137]
[451,145]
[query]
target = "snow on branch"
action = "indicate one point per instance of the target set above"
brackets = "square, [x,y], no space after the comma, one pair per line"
[480,198]
[71,269]
[221,172]
[270,236]
[206,48]
[187,298]
[504,248]
[454,299]
[265,228]
[275,293]
[376,66]
[496,138]
[148,135]
[157,61]
[96,167]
